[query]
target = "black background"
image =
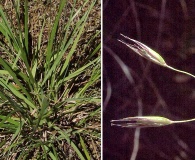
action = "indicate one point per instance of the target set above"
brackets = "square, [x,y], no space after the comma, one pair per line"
[167,26]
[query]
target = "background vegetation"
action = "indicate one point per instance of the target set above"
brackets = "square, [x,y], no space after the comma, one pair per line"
[50,79]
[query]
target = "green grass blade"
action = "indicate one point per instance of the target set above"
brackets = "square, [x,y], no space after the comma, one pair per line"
[26,26]
[84,148]
[9,119]
[16,80]
[53,33]
[53,157]
[79,71]
[76,149]
[44,106]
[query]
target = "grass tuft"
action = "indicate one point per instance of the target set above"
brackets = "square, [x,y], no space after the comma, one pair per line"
[49,80]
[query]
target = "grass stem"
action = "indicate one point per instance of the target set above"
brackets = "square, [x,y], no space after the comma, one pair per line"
[184,121]
[177,70]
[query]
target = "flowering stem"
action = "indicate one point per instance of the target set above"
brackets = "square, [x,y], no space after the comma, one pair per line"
[184,121]
[177,70]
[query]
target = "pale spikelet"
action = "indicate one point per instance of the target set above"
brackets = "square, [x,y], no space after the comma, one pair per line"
[149,54]
[142,121]
[144,51]
[146,121]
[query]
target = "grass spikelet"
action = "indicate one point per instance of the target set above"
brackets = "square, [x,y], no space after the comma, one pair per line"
[146,121]
[149,54]
[142,121]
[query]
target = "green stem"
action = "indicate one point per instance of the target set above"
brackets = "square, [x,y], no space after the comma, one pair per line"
[184,121]
[177,70]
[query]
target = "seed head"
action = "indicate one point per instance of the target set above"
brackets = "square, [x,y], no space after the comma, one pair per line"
[142,121]
[144,51]
[149,54]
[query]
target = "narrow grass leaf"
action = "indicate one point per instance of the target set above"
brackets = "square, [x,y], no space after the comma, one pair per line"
[53,33]
[26,26]
[53,157]
[76,149]
[16,80]
[17,131]
[10,119]
[80,23]
[44,106]
[84,148]
[79,71]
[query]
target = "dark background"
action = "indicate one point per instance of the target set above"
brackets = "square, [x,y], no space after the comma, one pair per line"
[167,26]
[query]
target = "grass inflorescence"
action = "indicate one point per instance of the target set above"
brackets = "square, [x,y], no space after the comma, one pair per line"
[147,121]
[148,53]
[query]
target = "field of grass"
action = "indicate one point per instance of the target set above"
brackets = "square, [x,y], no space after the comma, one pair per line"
[50,80]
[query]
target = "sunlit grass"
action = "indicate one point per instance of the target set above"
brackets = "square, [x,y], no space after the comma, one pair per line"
[49,92]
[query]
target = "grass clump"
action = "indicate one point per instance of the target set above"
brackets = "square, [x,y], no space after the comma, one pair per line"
[49,80]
